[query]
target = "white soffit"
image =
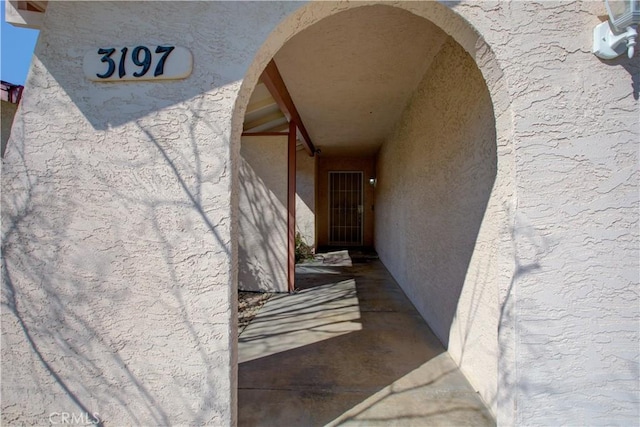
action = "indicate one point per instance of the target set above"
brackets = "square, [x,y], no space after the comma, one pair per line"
[263,113]
[27,14]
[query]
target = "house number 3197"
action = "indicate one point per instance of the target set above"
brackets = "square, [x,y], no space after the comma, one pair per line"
[142,62]
[140,56]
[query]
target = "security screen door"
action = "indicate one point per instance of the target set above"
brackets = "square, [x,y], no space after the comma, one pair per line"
[345,208]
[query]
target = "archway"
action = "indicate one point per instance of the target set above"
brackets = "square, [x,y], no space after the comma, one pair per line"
[476,308]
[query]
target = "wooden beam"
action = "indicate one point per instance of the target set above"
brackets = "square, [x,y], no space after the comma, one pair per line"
[273,81]
[291,205]
[36,6]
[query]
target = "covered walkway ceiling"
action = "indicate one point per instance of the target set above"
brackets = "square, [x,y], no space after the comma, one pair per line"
[351,76]
[263,114]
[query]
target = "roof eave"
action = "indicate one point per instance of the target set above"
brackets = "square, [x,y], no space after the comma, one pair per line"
[25,14]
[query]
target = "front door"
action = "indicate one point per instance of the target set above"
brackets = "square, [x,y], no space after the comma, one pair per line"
[345,208]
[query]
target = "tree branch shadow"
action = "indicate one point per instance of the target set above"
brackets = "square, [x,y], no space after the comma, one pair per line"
[69,324]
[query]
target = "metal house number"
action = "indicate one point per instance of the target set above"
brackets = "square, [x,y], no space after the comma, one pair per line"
[109,64]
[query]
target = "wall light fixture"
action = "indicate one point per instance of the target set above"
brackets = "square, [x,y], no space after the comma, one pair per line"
[612,38]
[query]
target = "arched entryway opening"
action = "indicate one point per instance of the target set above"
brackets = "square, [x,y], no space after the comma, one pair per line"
[418,106]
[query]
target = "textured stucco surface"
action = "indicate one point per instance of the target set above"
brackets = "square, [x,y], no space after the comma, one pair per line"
[119,265]
[119,213]
[575,234]
[435,178]
[306,197]
[262,256]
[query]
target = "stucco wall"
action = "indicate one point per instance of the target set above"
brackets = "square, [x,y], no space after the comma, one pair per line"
[568,135]
[435,180]
[119,228]
[118,220]
[576,231]
[263,245]
[8,111]
[306,197]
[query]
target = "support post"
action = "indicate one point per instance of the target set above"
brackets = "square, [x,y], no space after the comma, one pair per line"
[291,205]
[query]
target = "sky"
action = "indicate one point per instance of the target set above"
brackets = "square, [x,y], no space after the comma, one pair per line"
[16,49]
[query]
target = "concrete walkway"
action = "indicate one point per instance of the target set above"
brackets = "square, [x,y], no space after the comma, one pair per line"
[349,349]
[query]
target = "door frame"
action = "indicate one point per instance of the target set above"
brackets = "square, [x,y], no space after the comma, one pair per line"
[361,206]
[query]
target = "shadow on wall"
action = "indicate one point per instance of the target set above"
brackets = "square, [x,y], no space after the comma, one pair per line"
[634,70]
[305,197]
[632,66]
[117,288]
[542,334]
[80,333]
[435,178]
[263,244]
[436,221]
[305,179]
